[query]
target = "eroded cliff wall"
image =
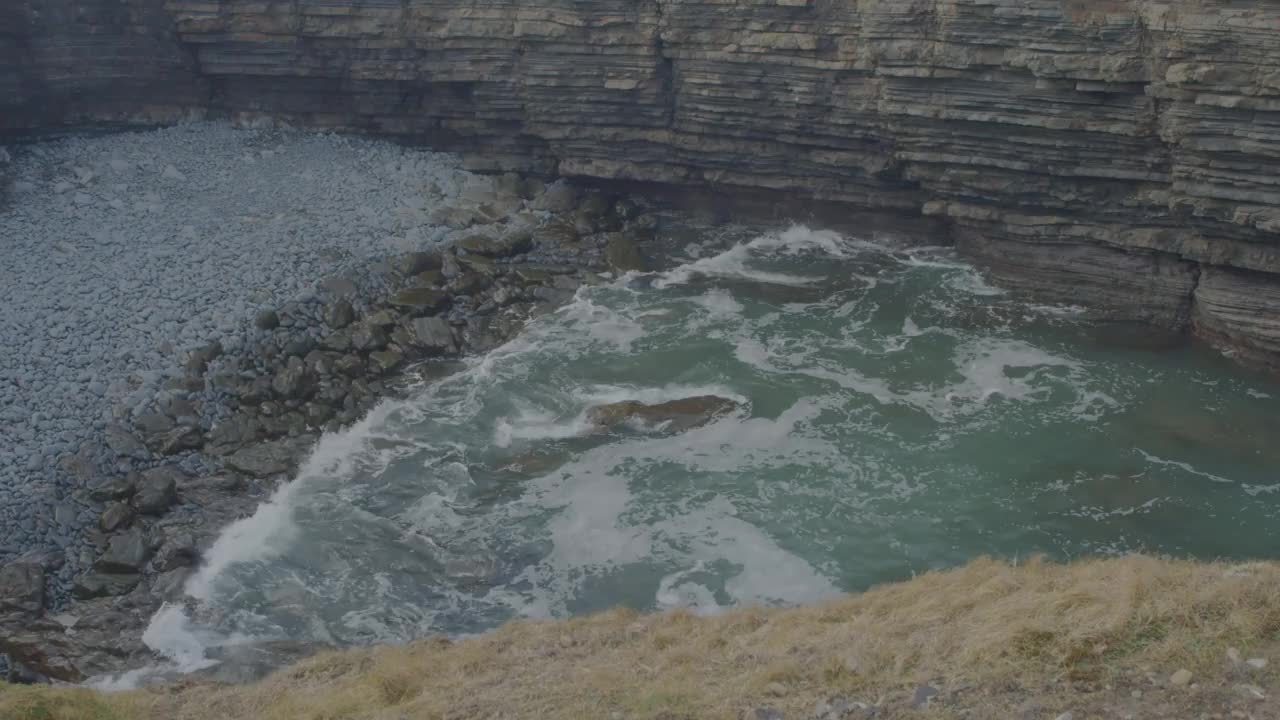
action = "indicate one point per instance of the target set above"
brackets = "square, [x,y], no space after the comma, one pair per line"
[89,62]
[1115,153]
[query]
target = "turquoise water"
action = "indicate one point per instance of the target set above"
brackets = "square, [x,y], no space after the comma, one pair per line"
[896,414]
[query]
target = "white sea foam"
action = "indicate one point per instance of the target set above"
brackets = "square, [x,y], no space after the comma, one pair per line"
[1185,467]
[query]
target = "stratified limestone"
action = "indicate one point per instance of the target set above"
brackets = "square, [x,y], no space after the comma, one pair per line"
[1098,151]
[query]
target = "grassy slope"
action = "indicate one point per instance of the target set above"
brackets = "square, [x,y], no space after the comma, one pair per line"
[992,636]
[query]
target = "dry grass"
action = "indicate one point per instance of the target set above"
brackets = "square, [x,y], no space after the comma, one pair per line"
[989,623]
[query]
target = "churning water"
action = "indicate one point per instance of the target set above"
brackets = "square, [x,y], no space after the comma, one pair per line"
[895,414]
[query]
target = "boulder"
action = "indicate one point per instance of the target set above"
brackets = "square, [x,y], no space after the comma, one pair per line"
[233,433]
[416,262]
[117,515]
[157,489]
[368,337]
[267,320]
[170,585]
[294,381]
[124,443]
[99,584]
[116,488]
[178,550]
[338,341]
[672,415]
[559,197]
[433,335]
[420,300]
[126,553]
[384,361]
[514,243]
[179,439]
[199,359]
[479,264]
[210,490]
[339,315]
[265,459]
[622,254]
[22,588]
[349,365]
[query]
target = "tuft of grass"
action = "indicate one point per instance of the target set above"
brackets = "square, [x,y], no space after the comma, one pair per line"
[989,624]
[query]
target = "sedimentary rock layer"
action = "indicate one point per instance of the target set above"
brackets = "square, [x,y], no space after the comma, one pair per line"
[1115,152]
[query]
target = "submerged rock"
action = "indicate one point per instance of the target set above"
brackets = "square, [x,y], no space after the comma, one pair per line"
[672,415]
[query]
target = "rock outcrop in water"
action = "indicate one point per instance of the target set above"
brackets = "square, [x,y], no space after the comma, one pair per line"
[669,416]
[1115,153]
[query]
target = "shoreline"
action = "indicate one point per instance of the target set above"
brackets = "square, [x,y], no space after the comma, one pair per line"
[236,420]
[156,486]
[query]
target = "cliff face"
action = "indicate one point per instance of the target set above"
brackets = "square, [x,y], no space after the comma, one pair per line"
[65,62]
[1114,153]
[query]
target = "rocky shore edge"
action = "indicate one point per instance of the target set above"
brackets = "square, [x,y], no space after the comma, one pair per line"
[238,422]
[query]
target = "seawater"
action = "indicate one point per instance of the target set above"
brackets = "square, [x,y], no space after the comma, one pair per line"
[896,414]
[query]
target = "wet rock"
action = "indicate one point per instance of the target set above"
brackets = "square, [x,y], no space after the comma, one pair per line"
[169,586]
[177,550]
[126,553]
[1138,336]
[209,490]
[433,335]
[116,516]
[421,301]
[368,337]
[384,361]
[157,490]
[339,315]
[265,459]
[622,254]
[673,415]
[22,588]
[102,584]
[317,414]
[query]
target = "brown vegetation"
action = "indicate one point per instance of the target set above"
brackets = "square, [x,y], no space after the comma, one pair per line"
[1090,636]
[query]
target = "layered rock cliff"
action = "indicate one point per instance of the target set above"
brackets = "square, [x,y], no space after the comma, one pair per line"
[1113,153]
